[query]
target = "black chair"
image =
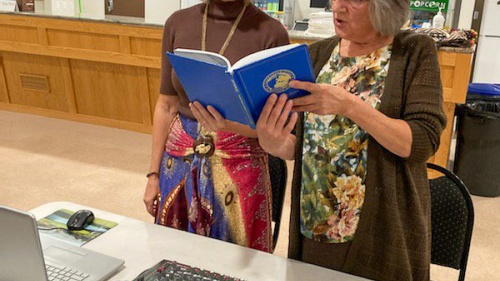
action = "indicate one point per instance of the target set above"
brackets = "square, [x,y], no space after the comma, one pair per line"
[278,173]
[452,220]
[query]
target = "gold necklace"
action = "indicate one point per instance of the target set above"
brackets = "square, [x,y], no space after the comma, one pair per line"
[231,32]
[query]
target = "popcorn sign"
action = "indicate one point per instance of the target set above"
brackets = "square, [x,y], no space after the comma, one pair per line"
[429,5]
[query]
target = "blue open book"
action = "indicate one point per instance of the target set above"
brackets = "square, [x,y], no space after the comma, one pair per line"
[239,92]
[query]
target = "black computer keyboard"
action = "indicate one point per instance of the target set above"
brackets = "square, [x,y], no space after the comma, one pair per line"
[167,270]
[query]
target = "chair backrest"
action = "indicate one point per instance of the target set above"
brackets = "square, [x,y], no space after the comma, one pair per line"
[278,173]
[452,220]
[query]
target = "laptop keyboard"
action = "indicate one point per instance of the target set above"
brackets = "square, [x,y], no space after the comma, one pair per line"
[62,273]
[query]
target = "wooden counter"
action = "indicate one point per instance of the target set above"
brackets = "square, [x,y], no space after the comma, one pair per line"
[108,73]
[455,73]
[89,71]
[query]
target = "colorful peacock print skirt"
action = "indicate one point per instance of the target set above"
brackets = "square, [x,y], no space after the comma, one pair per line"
[215,184]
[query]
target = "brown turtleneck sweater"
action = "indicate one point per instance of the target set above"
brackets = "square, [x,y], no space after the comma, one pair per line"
[183,29]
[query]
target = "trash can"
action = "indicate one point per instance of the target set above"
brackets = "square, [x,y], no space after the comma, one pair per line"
[477,159]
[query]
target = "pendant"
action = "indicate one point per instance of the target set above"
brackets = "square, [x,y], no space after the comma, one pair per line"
[204,146]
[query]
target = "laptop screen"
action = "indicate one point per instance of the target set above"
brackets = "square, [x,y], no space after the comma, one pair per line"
[21,255]
[24,258]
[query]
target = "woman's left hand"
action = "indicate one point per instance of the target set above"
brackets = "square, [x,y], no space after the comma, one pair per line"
[324,99]
[393,134]
[208,117]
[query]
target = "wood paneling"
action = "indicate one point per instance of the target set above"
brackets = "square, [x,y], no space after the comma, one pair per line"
[89,26]
[35,82]
[16,65]
[18,33]
[80,39]
[109,71]
[108,90]
[447,58]
[447,92]
[42,36]
[144,96]
[447,74]
[4,94]
[83,40]
[125,44]
[67,76]
[443,153]
[145,46]
[154,89]
[460,86]
[455,73]
[82,54]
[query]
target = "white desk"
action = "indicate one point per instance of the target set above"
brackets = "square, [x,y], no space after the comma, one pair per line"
[143,244]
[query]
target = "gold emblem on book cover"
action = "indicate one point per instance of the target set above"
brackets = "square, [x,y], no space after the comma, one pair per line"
[278,81]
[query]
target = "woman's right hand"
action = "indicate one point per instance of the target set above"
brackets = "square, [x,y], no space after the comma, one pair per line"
[274,129]
[151,195]
[208,117]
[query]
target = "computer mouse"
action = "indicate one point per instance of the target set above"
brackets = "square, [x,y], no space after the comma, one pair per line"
[80,219]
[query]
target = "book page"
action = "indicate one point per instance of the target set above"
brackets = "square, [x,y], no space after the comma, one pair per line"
[208,57]
[262,55]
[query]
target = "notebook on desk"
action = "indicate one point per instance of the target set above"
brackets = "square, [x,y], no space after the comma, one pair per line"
[25,255]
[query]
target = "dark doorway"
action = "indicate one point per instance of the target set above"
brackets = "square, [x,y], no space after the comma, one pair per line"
[129,8]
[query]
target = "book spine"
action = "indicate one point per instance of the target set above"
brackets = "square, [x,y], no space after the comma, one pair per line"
[308,58]
[244,104]
[239,81]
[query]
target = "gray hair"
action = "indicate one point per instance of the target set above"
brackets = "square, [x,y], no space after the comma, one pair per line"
[388,16]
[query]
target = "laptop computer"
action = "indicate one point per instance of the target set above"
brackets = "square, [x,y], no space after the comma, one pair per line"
[24,256]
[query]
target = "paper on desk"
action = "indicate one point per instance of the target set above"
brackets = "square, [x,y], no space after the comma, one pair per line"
[59,218]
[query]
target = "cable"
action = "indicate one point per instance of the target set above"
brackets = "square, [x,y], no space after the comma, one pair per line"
[54,228]
[60,228]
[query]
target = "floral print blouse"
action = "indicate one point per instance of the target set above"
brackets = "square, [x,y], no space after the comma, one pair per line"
[335,150]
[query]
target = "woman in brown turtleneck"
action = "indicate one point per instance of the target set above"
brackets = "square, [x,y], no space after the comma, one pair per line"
[224,193]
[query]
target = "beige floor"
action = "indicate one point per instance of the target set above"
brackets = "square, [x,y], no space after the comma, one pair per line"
[44,160]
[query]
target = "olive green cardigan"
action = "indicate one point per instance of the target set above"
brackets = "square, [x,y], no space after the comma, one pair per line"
[392,241]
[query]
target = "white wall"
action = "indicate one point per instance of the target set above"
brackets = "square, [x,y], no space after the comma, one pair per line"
[449,14]
[466,12]
[39,6]
[189,3]
[157,11]
[62,7]
[92,8]
[302,9]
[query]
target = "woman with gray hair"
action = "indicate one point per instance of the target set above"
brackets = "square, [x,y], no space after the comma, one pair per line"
[360,194]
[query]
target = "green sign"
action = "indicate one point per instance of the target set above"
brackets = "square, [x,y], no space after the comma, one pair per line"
[429,5]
